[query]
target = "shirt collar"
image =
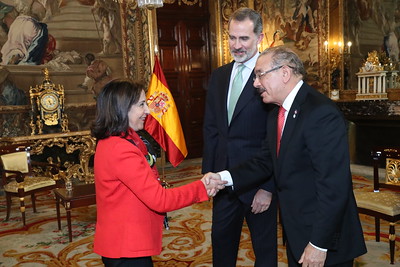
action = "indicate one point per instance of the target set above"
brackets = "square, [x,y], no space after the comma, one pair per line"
[250,64]
[287,104]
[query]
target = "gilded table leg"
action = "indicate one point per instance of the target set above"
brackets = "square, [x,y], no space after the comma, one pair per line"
[392,240]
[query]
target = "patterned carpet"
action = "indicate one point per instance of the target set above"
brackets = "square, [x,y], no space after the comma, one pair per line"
[187,243]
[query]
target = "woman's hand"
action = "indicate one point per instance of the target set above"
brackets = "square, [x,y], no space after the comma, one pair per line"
[213,183]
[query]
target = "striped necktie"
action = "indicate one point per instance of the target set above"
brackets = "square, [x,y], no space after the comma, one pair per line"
[235,91]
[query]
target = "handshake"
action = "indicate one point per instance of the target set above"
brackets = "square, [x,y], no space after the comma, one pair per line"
[213,183]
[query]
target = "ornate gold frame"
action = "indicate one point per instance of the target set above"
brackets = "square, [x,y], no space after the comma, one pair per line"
[136,35]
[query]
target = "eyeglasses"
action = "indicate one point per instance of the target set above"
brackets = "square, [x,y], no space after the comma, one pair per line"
[261,74]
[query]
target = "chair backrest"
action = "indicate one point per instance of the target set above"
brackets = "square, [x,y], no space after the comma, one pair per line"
[17,161]
[390,156]
[392,171]
[15,158]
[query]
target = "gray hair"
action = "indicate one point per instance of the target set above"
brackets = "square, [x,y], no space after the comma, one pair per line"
[244,13]
[281,55]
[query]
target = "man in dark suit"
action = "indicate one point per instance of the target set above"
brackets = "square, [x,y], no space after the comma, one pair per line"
[310,166]
[233,133]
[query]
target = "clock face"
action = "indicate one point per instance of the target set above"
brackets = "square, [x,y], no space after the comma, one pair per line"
[49,101]
[369,66]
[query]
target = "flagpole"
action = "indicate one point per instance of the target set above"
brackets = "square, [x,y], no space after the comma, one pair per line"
[163,165]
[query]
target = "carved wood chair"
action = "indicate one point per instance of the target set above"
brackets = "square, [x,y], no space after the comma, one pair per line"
[383,204]
[21,176]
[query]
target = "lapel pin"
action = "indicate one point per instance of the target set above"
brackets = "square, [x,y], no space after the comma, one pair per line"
[295,114]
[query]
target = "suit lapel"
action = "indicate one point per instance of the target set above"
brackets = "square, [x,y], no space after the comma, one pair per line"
[223,96]
[289,129]
[292,119]
[272,133]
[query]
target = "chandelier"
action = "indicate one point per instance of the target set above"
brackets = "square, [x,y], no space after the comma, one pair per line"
[150,4]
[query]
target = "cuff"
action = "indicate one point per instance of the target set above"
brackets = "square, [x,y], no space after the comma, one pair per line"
[226,176]
[322,249]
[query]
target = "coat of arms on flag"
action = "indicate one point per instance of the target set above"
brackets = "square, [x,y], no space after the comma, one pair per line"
[158,103]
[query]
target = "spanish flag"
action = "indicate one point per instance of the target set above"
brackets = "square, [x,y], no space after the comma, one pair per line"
[163,123]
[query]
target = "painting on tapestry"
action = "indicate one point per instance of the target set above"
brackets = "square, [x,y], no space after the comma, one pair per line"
[61,35]
[300,25]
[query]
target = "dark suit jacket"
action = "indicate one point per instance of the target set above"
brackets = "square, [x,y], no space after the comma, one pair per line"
[312,177]
[226,146]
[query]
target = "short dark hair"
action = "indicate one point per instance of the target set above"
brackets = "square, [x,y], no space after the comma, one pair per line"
[113,105]
[244,13]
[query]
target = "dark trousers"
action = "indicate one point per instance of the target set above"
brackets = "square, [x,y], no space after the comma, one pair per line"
[228,217]
[128,262]
[292,262]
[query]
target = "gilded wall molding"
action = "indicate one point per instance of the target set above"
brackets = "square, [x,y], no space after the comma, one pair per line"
[136,43]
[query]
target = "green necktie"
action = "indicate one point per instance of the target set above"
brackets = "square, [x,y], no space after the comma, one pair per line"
[235,91]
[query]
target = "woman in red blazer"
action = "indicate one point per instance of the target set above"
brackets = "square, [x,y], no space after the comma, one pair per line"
[131,203]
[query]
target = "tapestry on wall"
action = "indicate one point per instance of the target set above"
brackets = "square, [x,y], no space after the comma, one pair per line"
[299,25]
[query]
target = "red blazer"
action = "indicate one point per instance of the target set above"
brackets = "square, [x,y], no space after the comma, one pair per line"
[131,201]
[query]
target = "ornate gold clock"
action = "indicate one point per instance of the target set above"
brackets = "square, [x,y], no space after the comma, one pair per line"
[47,106]
[372,63]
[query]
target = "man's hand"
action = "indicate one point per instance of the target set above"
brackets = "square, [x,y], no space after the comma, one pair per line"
[312,257]
[262,200]
[210,175]
[213,183]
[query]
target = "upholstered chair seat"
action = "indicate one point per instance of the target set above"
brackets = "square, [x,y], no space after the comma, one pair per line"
[19,179]
[29,184]
[384,201]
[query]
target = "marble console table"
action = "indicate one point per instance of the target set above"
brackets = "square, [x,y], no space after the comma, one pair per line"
[371,123]
[81,142]
[371,109]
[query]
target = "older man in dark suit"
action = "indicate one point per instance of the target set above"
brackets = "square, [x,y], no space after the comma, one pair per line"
[233,133]
[307,153]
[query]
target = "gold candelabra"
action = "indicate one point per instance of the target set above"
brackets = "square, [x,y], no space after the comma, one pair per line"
[338,55]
